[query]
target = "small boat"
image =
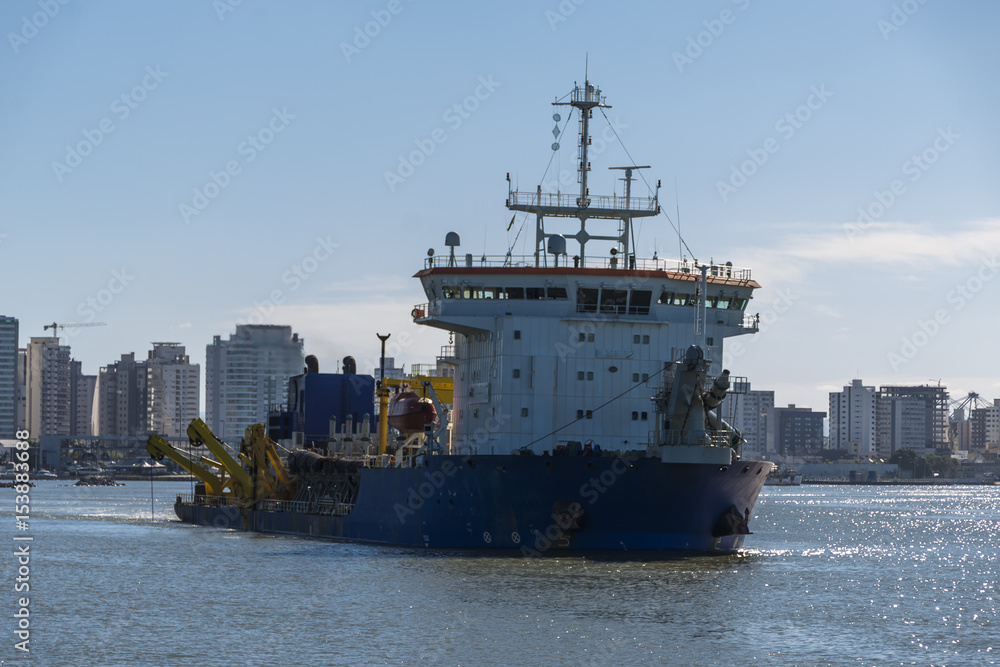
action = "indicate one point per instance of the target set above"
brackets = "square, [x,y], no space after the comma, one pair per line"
[783,477]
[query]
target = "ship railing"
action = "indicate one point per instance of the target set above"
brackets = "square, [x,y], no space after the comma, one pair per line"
[670,437]
[533,199]
[633,263]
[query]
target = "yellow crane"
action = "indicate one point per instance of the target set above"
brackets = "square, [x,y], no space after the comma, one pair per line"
[158,448]
[241,484]
[273,481]
[258,453]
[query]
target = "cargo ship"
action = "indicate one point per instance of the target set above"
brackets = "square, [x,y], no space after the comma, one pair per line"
[585,414]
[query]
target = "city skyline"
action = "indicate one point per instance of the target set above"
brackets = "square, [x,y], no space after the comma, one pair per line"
[293,165]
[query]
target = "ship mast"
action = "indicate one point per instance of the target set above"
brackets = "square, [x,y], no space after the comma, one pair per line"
[583,207]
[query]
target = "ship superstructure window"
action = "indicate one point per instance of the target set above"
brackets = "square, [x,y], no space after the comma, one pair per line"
[586,300]
[534,292]
[638,303]
[556,293]
[524,412]
[517,334]
[614,301]
[516,373]
[515,292]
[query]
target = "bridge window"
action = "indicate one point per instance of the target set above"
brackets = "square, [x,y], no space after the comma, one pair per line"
[557,293]
[586,300]
[639,302]
[614,301]
[451,291]
[515,292]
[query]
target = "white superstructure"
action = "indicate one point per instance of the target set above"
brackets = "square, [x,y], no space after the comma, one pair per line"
[574,347]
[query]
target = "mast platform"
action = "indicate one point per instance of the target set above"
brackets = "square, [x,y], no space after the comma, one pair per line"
[574,206]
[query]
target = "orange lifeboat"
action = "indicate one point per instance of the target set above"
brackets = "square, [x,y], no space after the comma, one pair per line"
[408,413]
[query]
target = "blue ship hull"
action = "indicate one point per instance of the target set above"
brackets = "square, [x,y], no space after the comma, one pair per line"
[531,504]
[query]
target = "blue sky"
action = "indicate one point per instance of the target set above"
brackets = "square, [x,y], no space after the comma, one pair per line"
[236,161]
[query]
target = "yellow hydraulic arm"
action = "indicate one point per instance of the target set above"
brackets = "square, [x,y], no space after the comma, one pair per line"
[262,452]
[199,433]
[158,448]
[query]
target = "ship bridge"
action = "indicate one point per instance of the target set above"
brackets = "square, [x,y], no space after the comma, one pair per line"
[466,297]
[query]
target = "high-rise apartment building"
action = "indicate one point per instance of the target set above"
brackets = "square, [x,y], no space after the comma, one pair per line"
[746,409]
[82,389]
[121,398]
[794,432]
[9,394]
[248,374]
[852,419]
[173,388]
[48,401]
[920,415]
[984,428]
[158,395]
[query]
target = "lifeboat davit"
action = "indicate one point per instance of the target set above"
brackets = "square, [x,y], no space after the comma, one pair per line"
[408,413]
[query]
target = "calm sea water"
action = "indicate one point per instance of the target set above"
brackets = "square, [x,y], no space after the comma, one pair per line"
[832,576]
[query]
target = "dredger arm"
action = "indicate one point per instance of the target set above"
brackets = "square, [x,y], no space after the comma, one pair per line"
[158,448]
[199,433]
[262,451]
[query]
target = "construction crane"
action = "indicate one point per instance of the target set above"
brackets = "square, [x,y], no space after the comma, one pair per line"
[55,327]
